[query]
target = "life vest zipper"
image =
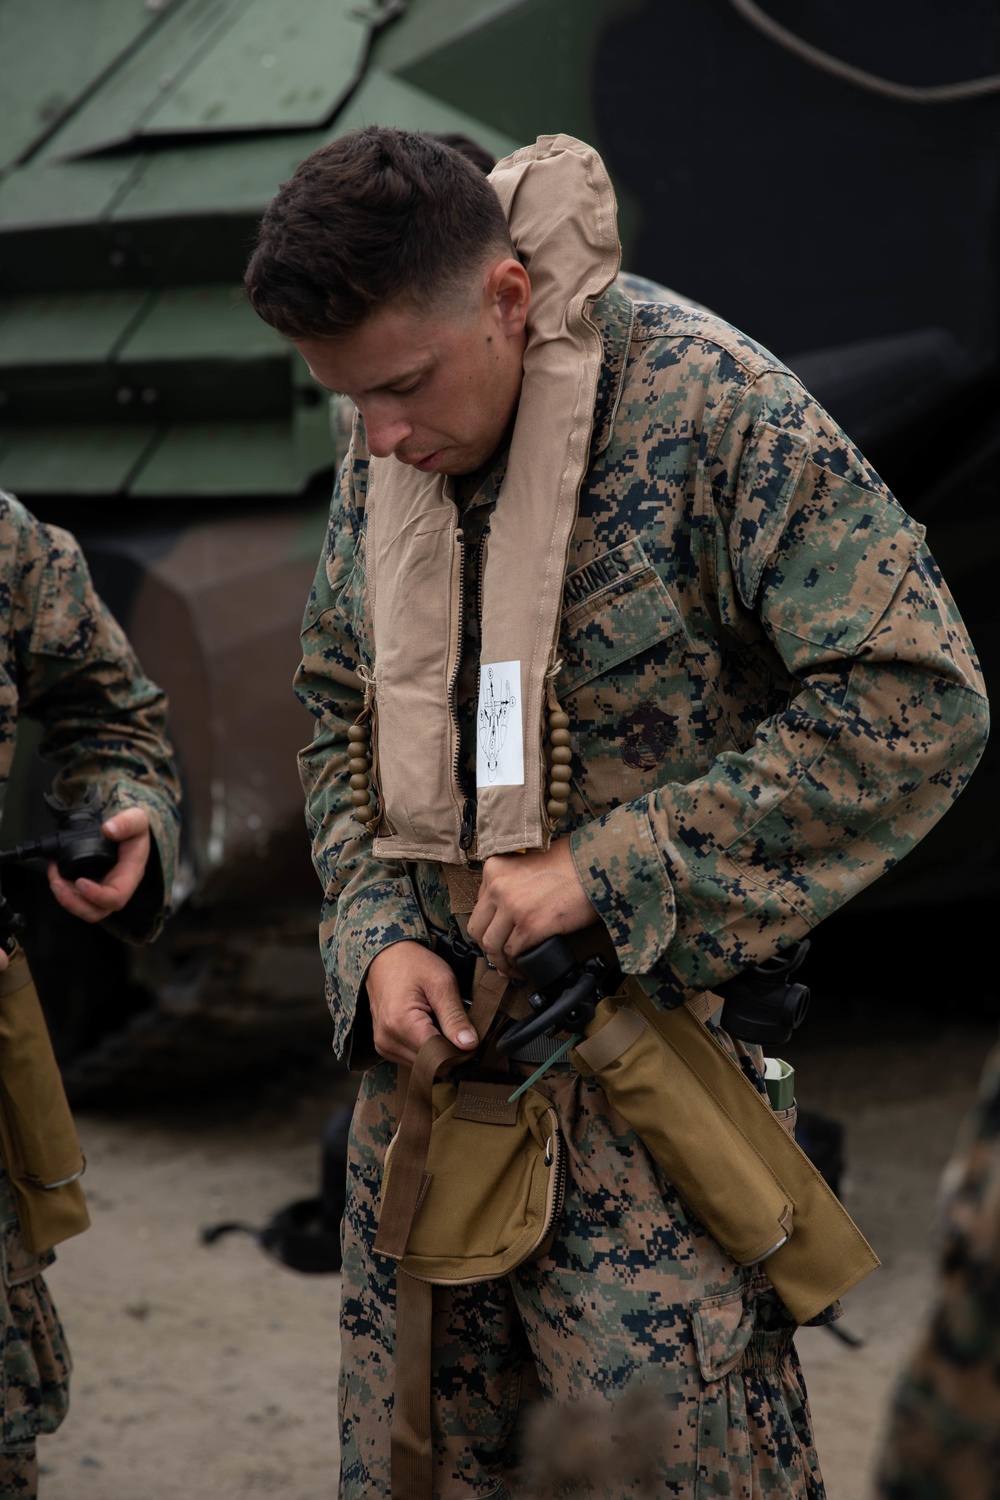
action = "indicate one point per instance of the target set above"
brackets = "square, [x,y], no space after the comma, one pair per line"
[470,810]
[465,805]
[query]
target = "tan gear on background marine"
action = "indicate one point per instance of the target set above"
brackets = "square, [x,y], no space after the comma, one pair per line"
[819,718]
[67,664]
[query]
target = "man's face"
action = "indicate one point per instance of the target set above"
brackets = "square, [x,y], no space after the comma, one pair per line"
[436,389]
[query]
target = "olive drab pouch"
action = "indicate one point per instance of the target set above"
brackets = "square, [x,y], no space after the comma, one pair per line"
[38,1139]
[721,1145]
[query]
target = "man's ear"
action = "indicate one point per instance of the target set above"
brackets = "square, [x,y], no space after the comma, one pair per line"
[507,292]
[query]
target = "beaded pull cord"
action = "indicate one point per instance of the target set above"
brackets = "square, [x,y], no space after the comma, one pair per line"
[560,760]
[358,766]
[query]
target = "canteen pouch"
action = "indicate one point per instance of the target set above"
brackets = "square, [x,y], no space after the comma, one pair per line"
[37,1136]
[492,1185]
[722,1147]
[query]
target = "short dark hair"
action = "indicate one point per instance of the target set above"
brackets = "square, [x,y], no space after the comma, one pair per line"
[483,159]
[376,216]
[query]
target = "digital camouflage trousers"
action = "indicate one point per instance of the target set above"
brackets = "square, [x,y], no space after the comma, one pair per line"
[632,1289]
[35,1360]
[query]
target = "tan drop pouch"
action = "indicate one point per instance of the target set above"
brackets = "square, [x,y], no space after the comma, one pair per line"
[472,1186]
[722,1147]
[492,1184]
[37,1136]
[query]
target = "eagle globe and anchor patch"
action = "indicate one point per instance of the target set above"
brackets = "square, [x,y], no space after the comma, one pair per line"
[646,736]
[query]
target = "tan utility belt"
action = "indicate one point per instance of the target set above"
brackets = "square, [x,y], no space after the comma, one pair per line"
[38,1139]
[473,1181]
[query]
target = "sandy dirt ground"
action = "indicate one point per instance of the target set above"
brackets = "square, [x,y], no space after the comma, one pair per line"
[209,1372]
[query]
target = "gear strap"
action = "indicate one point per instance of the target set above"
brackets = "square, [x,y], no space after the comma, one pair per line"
[410,1442]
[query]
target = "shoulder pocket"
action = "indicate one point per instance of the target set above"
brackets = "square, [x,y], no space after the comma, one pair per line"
[838,563]
[818,556]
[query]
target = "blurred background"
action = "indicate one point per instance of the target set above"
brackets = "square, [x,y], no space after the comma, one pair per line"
[823,176]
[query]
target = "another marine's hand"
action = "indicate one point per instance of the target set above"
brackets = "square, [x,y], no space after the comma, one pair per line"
[413,995]
[525,898]
[93,900]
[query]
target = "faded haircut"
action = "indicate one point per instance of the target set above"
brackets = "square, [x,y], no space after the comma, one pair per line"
[378,216]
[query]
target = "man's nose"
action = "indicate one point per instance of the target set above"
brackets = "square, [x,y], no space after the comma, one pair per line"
[385,433]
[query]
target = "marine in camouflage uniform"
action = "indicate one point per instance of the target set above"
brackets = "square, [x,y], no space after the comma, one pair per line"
[771,697]
[67,664]
[943,1438]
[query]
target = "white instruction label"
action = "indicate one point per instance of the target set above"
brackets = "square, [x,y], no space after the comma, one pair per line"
[499,754]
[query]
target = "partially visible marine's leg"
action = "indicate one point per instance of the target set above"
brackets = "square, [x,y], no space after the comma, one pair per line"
[35,1355]
[18,1473]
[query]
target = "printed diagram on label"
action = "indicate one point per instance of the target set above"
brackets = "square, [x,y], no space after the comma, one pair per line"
[500,758]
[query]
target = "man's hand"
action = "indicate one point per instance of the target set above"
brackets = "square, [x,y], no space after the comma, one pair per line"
[525,898]
[93,900]
[409,990]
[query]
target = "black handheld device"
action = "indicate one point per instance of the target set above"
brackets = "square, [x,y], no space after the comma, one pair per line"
[763,1004]
[566,992]
[78,846]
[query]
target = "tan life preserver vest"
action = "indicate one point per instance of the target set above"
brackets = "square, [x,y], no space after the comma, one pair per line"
[561,209]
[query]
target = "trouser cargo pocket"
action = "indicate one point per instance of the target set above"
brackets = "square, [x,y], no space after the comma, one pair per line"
[753,1433]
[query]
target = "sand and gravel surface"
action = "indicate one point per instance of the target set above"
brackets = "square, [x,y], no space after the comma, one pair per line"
[208,1372]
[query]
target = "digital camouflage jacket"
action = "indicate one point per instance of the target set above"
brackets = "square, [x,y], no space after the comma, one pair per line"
[772,695]
[67,663]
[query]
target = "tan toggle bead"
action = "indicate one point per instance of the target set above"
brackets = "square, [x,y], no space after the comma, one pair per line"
[556,809]
[562,755]
[560,774]
[364,814]
[360,799]
[558,720]
[360,783]
[357,764]
[357,733]
[560,737]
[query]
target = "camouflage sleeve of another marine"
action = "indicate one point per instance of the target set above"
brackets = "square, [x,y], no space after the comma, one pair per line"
[71,667]
[368,904]
[943,1436]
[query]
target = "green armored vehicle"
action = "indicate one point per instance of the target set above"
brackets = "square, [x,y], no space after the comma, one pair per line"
[144,406]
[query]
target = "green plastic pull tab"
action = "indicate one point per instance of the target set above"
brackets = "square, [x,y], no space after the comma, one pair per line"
[557,1054]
